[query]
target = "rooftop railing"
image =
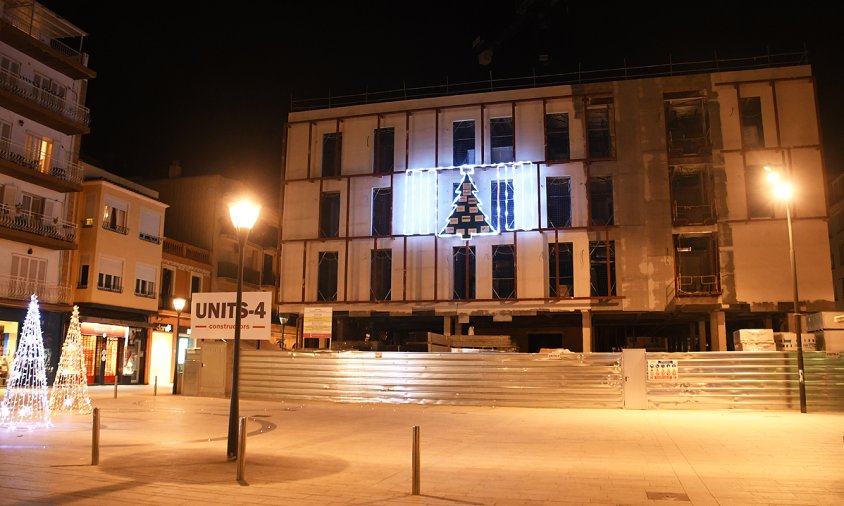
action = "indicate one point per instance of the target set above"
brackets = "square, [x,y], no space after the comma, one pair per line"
[23,21]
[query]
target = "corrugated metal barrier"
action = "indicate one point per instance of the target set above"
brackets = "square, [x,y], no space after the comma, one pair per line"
[705,380]
[483,379]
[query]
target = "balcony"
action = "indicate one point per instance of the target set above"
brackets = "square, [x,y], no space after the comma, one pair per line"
[698,214]
[25,98]
[39,33]
[22,288]
[705,285]
[114,227]
[36,229]
[186,251]
[229,270]
[53,174]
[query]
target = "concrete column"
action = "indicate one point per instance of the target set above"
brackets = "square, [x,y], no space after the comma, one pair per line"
[446,325]
[718,330]
[701,333]
[586,324]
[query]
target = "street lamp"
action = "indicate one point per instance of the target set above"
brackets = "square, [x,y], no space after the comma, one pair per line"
[243,215]
[784,191]
[178,305]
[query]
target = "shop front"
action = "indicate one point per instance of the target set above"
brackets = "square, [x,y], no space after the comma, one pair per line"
[114,351]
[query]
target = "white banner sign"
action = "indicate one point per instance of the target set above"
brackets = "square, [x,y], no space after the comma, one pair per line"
[213,314]
[317,322]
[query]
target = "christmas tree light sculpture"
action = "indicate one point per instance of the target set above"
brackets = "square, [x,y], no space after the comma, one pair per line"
[26,403]
[70,389]
[466,218]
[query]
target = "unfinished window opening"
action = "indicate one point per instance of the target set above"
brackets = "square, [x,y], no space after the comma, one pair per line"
[332,146]
[382,211]
[329,219]
[686,128]
[463,142]
[600,128]
[558,201]
[327,276]
[752,133]
[503,272]
[601,201]
[759,203]
[464,272]
[503,212]
[501,140]
[381,269]
[560,270]
[691,193]
[696,258]
[602,268]
[557,144]
[384,150]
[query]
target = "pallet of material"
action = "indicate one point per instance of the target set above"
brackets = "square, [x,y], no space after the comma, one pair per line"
[439,342]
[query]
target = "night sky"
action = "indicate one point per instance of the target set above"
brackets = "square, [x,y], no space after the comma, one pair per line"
[209,83]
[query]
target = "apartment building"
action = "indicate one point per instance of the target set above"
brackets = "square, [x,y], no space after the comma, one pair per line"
[117,270]
[595,215]
[43,82]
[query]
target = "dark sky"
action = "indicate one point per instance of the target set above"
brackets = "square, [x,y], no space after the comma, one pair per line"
[209,83]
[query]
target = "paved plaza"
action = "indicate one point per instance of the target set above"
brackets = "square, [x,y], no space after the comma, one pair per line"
[164,449]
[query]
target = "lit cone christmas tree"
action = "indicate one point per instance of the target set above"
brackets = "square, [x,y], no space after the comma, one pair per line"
[27,403]
[466,218]
[70,389]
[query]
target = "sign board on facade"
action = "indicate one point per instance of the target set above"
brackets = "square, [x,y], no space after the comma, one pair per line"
[662,370]
[317,323]
[212,315]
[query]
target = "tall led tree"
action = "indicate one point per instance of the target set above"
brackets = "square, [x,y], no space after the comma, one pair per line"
[26,403]
[466,218]
[70,389]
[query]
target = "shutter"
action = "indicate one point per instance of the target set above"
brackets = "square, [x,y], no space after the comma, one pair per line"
[10,196]
[42,271]
[49,209]
[15,266]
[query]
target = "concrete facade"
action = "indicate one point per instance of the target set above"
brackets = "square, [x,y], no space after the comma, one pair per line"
[681,263]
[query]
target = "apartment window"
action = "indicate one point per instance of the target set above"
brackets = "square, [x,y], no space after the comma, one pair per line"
[84,268]
[329,218]
[601,201]
[327,276]
[685,125]
[691,195]
[5,139]
[168,277]
[110,276]
[150,226]
[602,268]
[501,140]
[464,272]
[332,148]
[752,132]
[759,204]
[28,275]
[463,142]
[696,263]
[9,69]
[382,211]
[503,272]
[600,129]
[32,204]
[114,216]
[558,201]
[145,281]
[560,270]
[557,144]
[195,283]
[384,150]
[381,269]
[40,151]
[267,274]
[503,209]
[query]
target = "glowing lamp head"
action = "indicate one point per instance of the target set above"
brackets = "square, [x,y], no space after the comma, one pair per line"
[244,214]
[783,191]
[179,304]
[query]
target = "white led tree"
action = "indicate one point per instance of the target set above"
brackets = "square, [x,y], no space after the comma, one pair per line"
[70,389]
[27,403]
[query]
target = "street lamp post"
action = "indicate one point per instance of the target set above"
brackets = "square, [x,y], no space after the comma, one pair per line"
[243,215]
[784,191]
[178,305]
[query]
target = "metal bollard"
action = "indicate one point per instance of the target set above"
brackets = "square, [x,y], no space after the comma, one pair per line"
[415,460]
[241,448]
[95,439]
[115,386]
[155,388]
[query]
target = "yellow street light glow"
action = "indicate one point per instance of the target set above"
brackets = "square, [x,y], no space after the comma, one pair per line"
[783,191]
[179,304]
[244,214]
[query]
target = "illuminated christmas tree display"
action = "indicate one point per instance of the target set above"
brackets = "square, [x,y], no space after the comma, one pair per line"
[27,403]
[70,389]
[466,218]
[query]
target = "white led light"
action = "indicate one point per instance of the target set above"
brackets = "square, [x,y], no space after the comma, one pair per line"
[70,389]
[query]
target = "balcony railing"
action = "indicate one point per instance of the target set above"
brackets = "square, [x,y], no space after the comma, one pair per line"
[699,214]
[229,270]
[27,221]
[114,227]
[184,250]
[22,20]
[149,238]
[22,288]
[25,88]
[64,170]
[698,285]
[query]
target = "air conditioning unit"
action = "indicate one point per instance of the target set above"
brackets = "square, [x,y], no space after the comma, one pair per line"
[88,222]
